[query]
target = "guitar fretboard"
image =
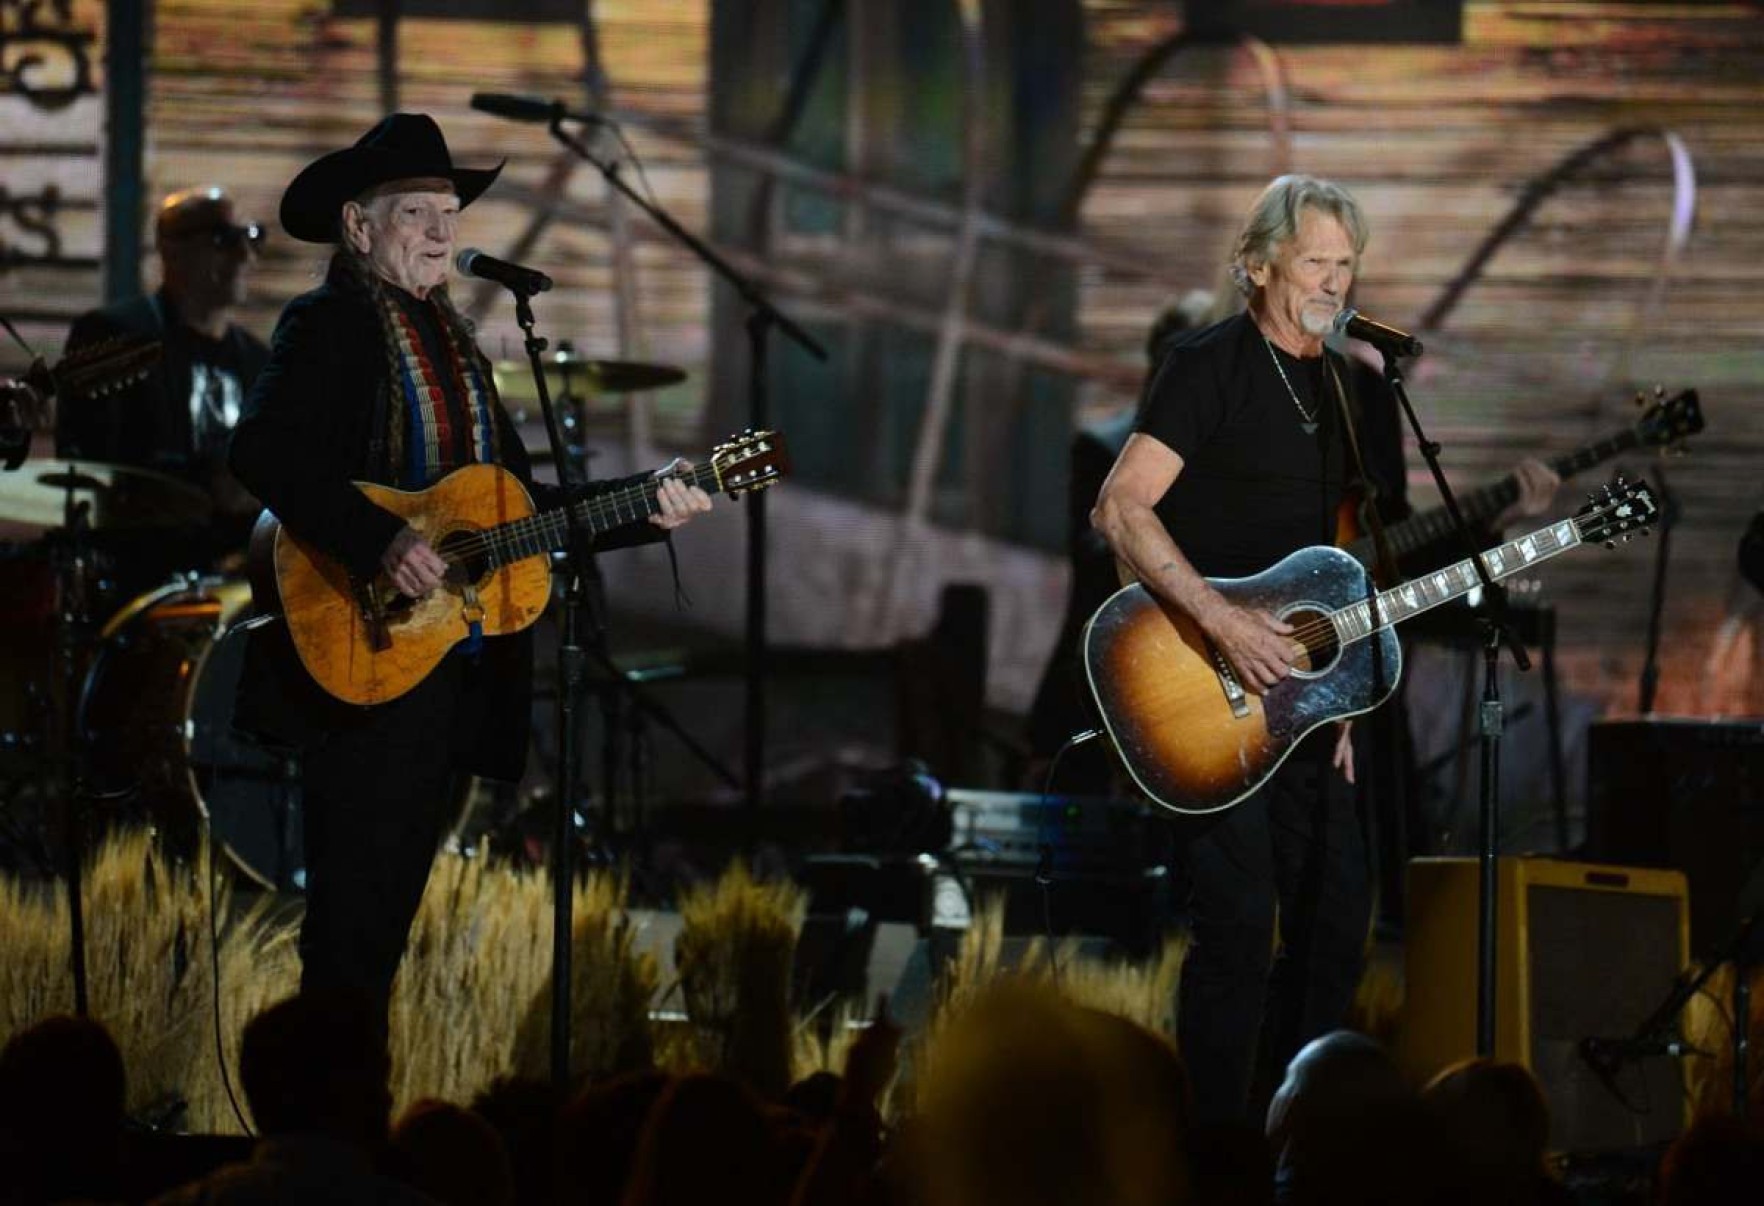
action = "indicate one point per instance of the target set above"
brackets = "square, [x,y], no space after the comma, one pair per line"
[1442,586]
[1484,503]
[514,541]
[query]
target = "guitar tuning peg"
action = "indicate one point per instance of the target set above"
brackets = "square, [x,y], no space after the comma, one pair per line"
[1610,544]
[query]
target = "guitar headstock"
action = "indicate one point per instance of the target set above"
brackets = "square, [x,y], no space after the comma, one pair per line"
[1668,420]
[752,460]
[1617,512]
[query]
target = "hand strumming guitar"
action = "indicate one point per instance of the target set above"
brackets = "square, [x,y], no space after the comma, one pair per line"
[1257,645]
[413,566]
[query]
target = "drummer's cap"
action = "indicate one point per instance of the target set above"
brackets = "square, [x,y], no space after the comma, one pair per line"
[208,210]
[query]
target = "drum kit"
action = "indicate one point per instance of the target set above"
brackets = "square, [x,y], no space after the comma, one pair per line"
[135,699]
[131,699]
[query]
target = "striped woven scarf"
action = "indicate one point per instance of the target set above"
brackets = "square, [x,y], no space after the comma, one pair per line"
[424,444]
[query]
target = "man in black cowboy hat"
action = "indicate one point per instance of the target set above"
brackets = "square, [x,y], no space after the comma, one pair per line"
[374,376]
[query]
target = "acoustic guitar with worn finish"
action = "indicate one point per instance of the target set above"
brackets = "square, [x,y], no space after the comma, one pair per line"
[1197,741]
[366,643]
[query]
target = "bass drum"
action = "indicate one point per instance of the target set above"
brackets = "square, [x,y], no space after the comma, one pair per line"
[156,719]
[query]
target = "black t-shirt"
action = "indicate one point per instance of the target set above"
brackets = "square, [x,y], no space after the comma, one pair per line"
[217,391]
[1254,485]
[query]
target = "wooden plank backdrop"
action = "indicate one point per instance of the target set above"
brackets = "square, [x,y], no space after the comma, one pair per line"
[1438,141]
[1544,351]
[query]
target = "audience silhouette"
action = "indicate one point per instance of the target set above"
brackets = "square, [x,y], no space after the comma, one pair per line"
[314,1068]
[1022,1098]
[62,1095]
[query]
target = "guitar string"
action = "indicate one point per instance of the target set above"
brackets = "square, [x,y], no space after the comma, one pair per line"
[540,524]
[1320,629]
[600,505]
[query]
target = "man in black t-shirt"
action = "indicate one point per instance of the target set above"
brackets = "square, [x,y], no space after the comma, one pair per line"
[1237,459]
[178,418]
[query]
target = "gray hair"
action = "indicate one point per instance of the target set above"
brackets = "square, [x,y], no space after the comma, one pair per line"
[1274,219]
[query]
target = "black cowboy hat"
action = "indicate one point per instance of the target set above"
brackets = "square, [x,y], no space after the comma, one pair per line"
[404,146]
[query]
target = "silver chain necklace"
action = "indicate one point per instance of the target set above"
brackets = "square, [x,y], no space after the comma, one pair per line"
[1310,417]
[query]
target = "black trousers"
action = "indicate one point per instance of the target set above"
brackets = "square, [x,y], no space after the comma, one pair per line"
[1295,850]
[379,796]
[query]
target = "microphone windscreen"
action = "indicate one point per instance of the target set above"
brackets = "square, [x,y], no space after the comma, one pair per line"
[514,108]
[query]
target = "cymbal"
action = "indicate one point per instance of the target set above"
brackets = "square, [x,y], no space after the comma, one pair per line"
[121,496]
[596,376]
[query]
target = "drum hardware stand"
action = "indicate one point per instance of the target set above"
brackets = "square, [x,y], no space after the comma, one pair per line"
[1497,630]
[73,620]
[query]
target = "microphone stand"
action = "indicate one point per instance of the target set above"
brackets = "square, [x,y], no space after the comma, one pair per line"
[1654,1035]
[1650,675]
[569,686]
[1497,630]
[618,682]
[762,317]
[571,667]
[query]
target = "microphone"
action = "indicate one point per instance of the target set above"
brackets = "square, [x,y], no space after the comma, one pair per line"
[1609,1054]
[523,280]
[511,107]
[1386,339]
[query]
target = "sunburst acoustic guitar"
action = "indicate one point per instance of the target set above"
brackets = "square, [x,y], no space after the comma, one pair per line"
[366,643]
[1196,741]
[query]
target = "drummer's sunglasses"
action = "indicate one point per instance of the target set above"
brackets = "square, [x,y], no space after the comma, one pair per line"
[229,237]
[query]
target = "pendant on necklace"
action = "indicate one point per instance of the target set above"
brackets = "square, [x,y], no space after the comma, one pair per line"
[1309,428]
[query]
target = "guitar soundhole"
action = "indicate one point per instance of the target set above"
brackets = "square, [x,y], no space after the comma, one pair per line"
[466,564]
[1313,629]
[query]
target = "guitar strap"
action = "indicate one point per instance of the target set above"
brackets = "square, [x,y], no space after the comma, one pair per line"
[1369,487]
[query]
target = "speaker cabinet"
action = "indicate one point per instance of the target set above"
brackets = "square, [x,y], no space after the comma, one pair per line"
[1584,951]
[1687,794]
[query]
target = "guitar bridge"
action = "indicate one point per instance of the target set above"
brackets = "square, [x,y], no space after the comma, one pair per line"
[1235,695]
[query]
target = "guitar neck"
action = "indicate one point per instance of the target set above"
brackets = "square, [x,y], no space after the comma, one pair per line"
[1442,586]
[1484,503]
[615,508]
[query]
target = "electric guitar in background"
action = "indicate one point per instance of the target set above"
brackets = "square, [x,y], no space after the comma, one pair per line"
[89,372]
[1664,423]
[365,642]
[1197,741]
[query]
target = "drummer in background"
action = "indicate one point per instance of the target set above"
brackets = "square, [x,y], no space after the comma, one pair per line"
[178,419]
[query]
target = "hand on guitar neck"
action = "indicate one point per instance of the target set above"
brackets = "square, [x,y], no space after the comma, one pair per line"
[1537,484]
